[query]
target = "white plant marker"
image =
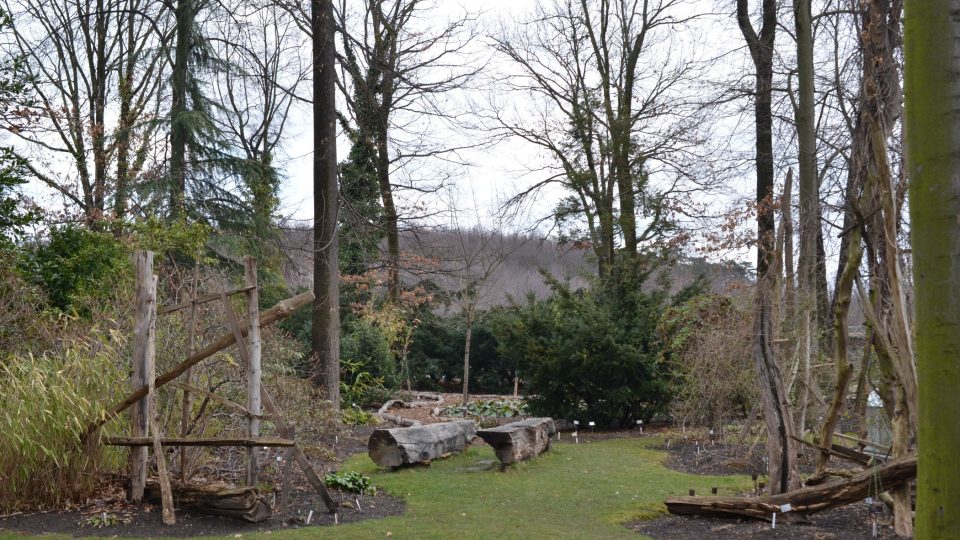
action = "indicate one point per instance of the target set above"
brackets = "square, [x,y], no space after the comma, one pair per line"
[773,524]
[309,517]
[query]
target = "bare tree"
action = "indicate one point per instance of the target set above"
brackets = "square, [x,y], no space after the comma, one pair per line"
[611,113]
[82,59]
[259,46]
[395,69]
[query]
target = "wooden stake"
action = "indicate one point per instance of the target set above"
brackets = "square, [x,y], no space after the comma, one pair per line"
[143,353]
[252,364]
[187,397]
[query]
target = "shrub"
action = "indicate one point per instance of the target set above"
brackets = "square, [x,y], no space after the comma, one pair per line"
[706,343]
[77,265]
[364,344]
[47,401]
[353,482]
[590,354]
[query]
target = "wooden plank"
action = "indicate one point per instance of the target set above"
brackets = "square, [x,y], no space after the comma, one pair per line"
[143,352]
[199,441]
[253,370]
[278,312]
[199,300]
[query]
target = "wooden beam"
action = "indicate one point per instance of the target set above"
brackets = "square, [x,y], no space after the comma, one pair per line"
[199,441]
[278,312]
[283,427]
[199,300]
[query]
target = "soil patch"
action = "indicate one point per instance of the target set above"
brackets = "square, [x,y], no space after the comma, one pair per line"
[848,522]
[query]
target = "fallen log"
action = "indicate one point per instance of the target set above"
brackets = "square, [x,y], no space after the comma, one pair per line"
[841,451]
[806,500]
[420,444]
[218,499]
[278,312]
[520,441]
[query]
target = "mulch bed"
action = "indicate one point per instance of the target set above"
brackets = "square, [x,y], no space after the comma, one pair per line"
[142,520]
[849,522]
[717,459]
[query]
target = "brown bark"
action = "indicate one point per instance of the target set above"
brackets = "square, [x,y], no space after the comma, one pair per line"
[780,447]
[894,473]
[326,283]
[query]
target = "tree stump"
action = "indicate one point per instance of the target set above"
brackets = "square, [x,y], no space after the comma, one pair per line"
[519,441]
[420,444]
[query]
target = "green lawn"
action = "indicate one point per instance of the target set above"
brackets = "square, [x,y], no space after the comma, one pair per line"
[573,491]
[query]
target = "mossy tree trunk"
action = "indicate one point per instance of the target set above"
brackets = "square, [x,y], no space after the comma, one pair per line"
[933,162]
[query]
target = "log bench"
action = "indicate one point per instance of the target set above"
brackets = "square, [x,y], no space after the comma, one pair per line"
[519,441]
[405,446]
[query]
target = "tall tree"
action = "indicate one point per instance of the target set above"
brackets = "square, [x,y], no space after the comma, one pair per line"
[326,281]
[395,72]
[617,123]
[76,56]
[781,453]
[809,197]
[933,162]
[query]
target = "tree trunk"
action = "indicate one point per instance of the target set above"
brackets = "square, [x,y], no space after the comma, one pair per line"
[519,441]
[840,358]
[326,282]
[780,446]
[809,199]
[466,361]
[420,444]
[179,130]
[933,163]
[391,221]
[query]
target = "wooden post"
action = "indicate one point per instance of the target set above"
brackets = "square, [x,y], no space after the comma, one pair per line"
[253,364]
[187,407]
[143,365]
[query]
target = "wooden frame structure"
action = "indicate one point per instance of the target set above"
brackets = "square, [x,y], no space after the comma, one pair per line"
[145,432]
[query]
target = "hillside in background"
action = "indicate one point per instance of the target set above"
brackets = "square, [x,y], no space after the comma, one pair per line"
[450,259]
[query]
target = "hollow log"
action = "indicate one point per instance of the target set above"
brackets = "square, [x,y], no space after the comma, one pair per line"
[421,444]
[893,473]
[520,441]
[218,499]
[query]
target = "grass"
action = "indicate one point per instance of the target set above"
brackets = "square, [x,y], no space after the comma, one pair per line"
[573,491]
